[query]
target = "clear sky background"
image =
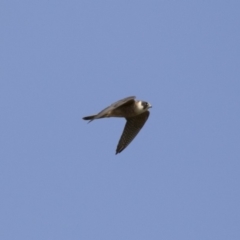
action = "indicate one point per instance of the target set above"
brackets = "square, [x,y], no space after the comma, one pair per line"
[59,176]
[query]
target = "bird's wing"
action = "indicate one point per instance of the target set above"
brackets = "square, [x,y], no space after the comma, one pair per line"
[131,129]
[125,101]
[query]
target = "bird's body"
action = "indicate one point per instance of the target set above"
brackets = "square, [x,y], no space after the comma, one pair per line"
[135,112]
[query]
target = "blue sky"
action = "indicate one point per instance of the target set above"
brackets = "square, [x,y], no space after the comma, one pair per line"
[60,177]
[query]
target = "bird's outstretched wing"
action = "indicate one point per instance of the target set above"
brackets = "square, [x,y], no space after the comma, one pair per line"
[131,129]
[124,101]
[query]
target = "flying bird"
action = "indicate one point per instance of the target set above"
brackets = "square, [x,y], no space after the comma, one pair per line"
[134,111]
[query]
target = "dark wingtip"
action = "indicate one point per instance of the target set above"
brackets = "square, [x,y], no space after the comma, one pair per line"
[118,151]
[87,118]
[90,118]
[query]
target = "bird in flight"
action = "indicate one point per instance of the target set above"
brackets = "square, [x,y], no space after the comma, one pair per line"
[134,111]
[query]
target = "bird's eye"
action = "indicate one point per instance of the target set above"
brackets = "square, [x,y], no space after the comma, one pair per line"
[145,104]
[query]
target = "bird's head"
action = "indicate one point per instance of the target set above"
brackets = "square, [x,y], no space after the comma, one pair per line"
[143,106]
[146,105]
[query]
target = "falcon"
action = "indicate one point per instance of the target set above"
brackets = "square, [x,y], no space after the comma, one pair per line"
[134,111]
